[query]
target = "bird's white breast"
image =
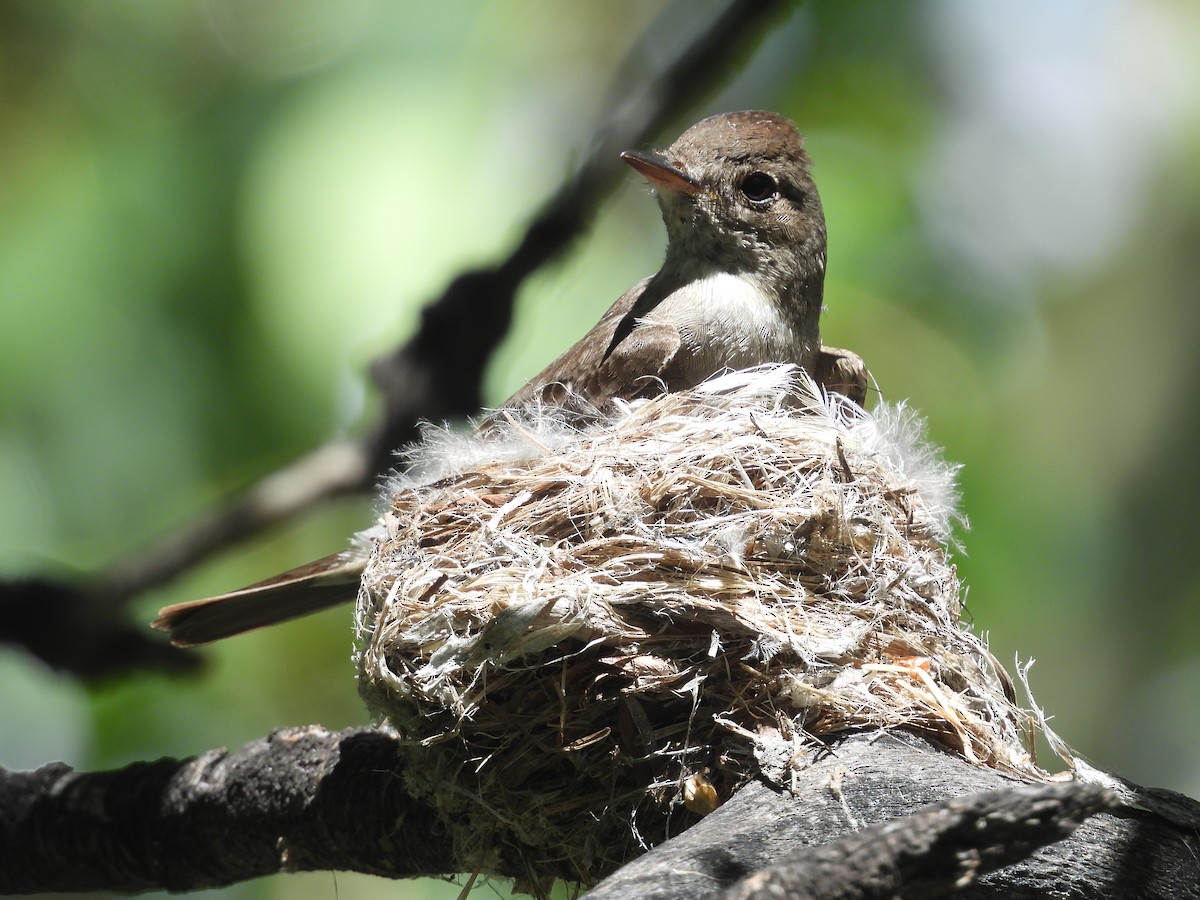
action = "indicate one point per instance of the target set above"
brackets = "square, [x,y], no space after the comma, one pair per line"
[728,321]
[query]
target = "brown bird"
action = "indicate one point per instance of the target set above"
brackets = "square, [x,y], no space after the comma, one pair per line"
[741,285]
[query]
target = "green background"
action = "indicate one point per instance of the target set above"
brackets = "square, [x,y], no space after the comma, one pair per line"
[214,214]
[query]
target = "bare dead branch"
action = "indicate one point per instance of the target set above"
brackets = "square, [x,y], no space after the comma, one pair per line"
[309,799]
[64,627]
[934,853]
[863,781]
[299,799]
[333,469]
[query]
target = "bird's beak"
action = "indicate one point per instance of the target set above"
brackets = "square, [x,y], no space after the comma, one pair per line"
[661,173]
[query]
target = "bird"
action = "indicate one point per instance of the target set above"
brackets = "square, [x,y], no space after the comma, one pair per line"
[741,284]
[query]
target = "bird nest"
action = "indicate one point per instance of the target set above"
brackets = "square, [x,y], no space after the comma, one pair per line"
[592,630]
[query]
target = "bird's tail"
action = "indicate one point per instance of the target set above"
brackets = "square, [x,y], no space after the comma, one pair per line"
[298,592]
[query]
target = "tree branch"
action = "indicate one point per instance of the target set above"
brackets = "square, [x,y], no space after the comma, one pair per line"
[934,853]
[300,799]
[309,799]
[862,781]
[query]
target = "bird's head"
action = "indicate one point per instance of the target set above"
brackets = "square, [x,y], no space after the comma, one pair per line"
[737,194]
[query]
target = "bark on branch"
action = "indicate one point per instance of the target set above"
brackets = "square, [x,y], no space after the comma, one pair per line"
[300,799]
[307,798]
[934,853]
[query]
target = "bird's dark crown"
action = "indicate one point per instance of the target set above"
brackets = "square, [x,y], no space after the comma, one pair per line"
[749,137]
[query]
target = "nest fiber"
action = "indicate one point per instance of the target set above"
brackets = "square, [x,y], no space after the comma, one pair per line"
[590,633]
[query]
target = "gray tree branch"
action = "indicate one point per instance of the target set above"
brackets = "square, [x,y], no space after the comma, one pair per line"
[934,853]
[309,799]
[861,782]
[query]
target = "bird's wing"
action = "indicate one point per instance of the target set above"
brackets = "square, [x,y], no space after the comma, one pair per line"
[620,356]
[637,365]
[295,593]
[842,372]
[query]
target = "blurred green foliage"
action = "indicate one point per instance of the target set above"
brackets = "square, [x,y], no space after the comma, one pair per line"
[213,214]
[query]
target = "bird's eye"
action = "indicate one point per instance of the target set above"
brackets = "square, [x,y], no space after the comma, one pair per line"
[759,187]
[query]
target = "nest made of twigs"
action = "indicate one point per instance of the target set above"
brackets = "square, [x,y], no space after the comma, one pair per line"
[592,633]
